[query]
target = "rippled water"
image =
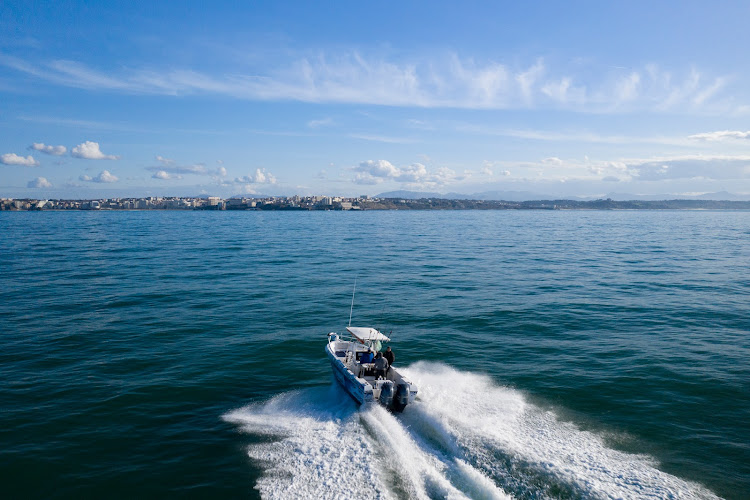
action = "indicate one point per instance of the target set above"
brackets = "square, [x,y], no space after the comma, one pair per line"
[558,354]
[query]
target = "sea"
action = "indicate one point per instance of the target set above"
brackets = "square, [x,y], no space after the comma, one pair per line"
[558,354]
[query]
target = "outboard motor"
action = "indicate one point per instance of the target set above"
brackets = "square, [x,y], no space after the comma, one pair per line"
[386,394]
[401,398]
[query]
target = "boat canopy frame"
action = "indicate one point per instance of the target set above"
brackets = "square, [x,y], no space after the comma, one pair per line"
[364,334]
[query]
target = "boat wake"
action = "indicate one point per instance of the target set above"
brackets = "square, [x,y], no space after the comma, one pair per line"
[464,437]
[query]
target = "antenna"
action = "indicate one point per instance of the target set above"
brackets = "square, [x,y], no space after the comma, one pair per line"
[380,318]
[352,308]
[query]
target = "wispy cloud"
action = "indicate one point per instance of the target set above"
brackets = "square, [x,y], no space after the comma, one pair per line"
[581,136]
[650,169]
[320,123]
[721,135]
[441,80]
[116,126]
[382,138]
[552,160]
[170,169]
[627,88]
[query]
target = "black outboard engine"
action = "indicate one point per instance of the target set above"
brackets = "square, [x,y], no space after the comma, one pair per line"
[401,398]
[386,394]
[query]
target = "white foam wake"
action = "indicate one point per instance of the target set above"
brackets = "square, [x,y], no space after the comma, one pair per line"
[529,449]
[464,437]
[309,450]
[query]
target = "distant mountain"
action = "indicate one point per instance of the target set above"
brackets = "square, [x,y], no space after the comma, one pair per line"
[409,195]
[511,196]
[531,196]
[253,196]
[719,196]
[487,195]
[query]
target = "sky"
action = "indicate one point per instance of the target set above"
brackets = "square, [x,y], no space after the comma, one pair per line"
[561,99]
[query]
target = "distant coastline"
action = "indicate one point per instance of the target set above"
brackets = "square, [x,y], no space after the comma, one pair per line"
[309,203]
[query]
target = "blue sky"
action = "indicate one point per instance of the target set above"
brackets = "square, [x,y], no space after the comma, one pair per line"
[556,98]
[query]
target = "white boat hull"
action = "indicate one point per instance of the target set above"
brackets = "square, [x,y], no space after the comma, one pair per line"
[357,387]
[394,391]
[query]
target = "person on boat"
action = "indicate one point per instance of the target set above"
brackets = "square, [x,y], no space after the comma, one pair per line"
[389,356]
[366,357]
[381,365]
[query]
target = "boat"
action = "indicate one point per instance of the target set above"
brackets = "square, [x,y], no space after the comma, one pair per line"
[353,368]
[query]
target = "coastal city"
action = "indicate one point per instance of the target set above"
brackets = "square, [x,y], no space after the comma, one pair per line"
[308,203]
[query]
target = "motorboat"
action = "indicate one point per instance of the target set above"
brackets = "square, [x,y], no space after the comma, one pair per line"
[353,367]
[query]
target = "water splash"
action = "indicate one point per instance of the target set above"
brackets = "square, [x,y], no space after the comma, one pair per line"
[464,437]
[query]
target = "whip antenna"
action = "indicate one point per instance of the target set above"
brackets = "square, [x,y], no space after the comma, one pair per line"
[352,308]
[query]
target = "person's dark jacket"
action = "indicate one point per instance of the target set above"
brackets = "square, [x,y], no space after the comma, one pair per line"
[390,357]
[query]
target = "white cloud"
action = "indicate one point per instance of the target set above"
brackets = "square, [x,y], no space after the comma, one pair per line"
[50,150]
[39,182]
[720,135]
[161,174]
[14,159]
[366,179]
[259,177]
[375,172]
[89,150]
[104,177]
[165,161]
[416,174]
[552,160]
[247,183]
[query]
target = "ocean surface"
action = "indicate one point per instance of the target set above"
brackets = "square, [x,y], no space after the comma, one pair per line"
[576,354]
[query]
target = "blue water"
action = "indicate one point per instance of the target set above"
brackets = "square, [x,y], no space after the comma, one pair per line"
[580,354]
